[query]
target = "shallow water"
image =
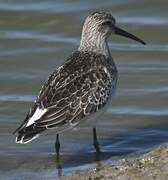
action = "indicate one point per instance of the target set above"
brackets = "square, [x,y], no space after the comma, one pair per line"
[36,37]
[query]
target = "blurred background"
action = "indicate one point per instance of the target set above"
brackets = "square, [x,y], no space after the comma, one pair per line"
[36,36]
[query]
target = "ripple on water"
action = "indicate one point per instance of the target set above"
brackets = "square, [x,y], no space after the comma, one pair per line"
[37,36]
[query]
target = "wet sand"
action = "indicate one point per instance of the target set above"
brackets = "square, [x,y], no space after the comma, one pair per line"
[150,166]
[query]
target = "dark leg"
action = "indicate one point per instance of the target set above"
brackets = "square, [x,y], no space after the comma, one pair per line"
[95,141]
[57,145]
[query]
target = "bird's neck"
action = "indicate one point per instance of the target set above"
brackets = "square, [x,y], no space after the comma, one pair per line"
[94,42]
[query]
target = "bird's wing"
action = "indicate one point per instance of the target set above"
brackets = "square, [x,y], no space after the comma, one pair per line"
[81,97]
[72,92]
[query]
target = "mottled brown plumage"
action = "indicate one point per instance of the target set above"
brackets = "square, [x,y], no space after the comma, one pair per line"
[77,89]
[81,87]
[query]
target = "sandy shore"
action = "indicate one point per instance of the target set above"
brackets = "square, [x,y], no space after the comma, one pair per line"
[150,166]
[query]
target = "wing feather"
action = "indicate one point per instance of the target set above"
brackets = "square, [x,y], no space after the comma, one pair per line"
[75,90]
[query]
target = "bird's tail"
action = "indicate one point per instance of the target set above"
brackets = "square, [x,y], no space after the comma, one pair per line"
[27,134]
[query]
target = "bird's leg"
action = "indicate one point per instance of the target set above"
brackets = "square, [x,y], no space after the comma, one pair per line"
[57,145]
[95,141]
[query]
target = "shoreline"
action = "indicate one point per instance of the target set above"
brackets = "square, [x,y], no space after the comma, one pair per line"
[152,165]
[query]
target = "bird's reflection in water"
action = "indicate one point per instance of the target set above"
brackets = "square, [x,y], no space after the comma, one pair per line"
[58,166]
[96,160]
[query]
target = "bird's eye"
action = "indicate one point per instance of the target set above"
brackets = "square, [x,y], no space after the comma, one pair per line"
[107,23]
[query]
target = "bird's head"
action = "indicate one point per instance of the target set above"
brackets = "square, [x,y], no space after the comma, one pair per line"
[103,24]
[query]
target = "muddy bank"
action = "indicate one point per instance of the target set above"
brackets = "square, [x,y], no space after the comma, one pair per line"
[150,166]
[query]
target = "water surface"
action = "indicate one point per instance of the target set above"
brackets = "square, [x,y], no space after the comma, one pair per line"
[36,37]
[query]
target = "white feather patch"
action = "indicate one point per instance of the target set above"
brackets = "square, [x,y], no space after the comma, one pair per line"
[37,115]
[22,142]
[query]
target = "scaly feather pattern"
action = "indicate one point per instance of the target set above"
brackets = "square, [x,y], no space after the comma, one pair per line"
[77,89]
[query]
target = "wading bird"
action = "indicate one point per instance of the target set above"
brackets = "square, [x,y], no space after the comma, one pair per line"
[81,88]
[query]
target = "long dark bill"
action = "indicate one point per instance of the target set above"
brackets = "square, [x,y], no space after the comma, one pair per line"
[126,34]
